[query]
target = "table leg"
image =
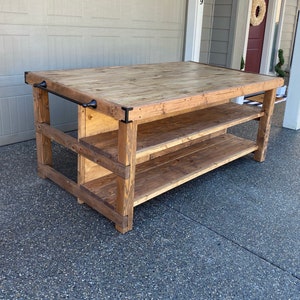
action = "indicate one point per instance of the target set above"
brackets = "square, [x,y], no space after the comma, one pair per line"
[265,125]
[42,115]
[92,122]
[127,140]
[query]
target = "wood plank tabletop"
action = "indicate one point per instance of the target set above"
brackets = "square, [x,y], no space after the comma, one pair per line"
[150,90]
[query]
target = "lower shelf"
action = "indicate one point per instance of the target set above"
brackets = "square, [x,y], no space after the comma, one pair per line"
[159,175]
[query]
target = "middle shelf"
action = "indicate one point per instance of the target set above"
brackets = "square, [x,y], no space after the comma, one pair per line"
[158,137]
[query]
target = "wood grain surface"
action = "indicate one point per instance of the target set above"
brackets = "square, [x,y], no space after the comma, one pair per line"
[152,89]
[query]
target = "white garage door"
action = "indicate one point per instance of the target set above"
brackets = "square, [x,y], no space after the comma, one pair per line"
[59,34]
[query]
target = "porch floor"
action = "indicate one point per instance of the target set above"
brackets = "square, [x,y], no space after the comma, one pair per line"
[233,233]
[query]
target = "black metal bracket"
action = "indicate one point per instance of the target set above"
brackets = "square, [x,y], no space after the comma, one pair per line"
[43,85]
[25,74]
[127,110]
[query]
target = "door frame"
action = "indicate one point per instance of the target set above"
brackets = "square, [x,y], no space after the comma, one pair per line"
[292,110]
[241,33]
[194,18]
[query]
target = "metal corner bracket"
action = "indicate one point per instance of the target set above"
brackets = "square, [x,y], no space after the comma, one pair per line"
[126,116]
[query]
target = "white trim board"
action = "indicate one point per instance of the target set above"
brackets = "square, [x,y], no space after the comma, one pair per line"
[292,110]
[193,30]
[269,36]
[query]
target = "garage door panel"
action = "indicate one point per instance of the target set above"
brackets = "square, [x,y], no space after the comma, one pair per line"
[16,115]
[52,34]
[16,6]
[63,8]
[65,51]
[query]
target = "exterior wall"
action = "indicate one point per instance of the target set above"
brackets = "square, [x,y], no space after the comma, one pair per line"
[240,32]
[220,50]
[58,34]
[208,13]
[221,32]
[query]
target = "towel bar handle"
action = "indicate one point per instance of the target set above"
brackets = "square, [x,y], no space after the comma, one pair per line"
[43,85]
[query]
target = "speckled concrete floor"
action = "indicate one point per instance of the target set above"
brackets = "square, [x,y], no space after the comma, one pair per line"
[233,233]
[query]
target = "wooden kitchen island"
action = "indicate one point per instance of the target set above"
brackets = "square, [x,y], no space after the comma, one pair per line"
[145,129]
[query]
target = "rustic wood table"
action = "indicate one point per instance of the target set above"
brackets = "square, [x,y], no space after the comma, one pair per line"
[145,129]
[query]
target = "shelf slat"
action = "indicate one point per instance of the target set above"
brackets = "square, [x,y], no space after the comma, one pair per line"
[180,131]
[159,175]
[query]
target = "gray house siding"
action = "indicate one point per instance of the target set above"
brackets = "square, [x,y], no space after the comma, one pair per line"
[207,27]
[221,33]
[52,34]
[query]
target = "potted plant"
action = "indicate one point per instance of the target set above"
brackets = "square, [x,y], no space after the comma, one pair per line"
[280,73]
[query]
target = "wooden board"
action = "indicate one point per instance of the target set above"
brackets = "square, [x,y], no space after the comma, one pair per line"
[156,138]
[155,127]
[154,89]
[91,122]
[164,173]
[260,98]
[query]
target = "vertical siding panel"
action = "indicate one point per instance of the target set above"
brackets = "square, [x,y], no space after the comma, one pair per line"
[16,6]
[65,51]
[105,9]
[221,32]
[4,117]
[207,27]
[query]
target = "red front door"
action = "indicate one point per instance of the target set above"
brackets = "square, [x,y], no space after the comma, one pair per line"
[255,46]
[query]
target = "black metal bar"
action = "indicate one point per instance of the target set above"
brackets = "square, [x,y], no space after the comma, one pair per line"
[43,85]
[92,104]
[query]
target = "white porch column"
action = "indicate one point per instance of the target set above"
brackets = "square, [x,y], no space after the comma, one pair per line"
[193,30]
[292,110]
